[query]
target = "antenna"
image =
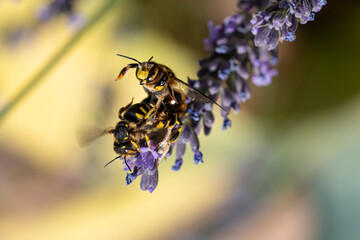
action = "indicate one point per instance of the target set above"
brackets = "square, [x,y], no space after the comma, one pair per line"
[129,58]
[112,161]
[150,59]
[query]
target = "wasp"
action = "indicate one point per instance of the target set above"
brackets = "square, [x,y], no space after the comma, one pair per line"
[141,125]
[160,81]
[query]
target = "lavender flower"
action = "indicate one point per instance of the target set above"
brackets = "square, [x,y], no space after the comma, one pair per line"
[233,62]
[144,164]
[225,74]
[250,6]
[279,21]
[149,180]
[60,7]
[242,50]
[177,165]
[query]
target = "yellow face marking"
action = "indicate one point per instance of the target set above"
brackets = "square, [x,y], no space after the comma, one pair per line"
[159,88]
[142,74]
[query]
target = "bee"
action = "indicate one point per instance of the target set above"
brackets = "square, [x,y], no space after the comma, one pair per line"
[141,125]
[160,81]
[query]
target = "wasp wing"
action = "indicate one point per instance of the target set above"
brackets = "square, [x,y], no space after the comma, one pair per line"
[193,93]
[86,136]
[155,134]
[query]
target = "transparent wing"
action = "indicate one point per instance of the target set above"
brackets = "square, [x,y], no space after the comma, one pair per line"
[86,136]
[156,135]
[193,93]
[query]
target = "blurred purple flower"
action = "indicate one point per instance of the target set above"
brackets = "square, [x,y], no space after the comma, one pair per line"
[250,6]
[233,62]
[279,21]
[56,7]
[61,7]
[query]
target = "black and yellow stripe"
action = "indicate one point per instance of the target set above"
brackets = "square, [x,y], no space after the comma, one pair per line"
[137,112]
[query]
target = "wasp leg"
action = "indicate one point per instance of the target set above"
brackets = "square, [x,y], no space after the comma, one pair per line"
[125,70]
[171,93]
[136,146]
[158,103]
[176,134]
[174,137]
[148,142]
[123,109]
[157,162]
[127,164]
[149,114]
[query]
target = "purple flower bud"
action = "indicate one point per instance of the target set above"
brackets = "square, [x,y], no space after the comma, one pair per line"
[198,157]
[146,158]
[130,177]
[273,39]
[207,130]
[226,124]
[278,20]
[193,115]
[215,87]
[317,5]
[186,133]
[223,73]
[180,149]
[261,36]
[208,118]
[226,98]
[177,165]
[194,141]
[149,180]
[235,106]
[197,127]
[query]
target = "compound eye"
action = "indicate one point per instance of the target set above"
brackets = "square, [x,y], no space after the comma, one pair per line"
[152,73]
[163,80]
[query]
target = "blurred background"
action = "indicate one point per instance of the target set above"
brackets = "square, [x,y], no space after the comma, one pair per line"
[286,169]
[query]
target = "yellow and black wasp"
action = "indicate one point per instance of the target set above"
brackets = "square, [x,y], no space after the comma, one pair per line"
[141,125]
[160,81]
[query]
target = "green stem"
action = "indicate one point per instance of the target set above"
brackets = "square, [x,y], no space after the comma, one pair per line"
[36,79]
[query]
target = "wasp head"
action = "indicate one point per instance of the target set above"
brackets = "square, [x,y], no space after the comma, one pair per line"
[147,72]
